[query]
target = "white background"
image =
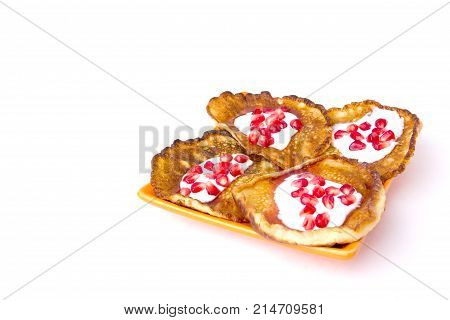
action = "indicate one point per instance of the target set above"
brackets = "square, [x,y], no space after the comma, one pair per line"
[69,159]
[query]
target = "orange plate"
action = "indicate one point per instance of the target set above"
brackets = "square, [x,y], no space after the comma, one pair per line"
[344,252]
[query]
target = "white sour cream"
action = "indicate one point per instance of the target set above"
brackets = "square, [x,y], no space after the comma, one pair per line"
[369,154]
[290,208]
[203,195]
[281,139]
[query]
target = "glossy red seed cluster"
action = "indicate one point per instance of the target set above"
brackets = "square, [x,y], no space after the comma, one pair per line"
[216,172]
[265,122]
[327,195]
[380,137]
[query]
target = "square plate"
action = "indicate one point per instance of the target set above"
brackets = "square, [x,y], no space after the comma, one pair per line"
[338,252]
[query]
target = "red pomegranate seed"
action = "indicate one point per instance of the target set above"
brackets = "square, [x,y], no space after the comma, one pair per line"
[267,110]
[209,165]
[222,167]
[332,191]
[373,137]
[265,141]
[308,209]
[299,183]
[265,132]
[283,124]
[255,126]
[357,145]
[271,119]
[275,127]
[381,123]
[322,220]
[253,137]
[197,187]
[328,201]
[298,193]
[318,180]
[222,180]
[185,191]
[212,189]
[378,131]
[381,145]
[285,109]
[257,118]
[308,223]
[355,135]
[347,189]
[339,134]
[196,169]
[210,176]
[388,135]
[226,157]
[280,114]
[241,158]
[257,111]
[318,192]
[296,124]
[236,170]
[308,199]
[365,126]
[191,177]
[352,127]
[347,199]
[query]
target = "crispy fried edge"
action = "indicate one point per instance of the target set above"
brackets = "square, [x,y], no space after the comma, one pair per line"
[274,155]
[417,126]
[320,237]
[187,201]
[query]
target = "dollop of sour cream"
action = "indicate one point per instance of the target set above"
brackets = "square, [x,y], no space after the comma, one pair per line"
[203,195]
[281,139]
[394,122]
[290,208]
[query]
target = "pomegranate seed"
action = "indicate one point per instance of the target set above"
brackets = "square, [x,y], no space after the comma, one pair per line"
[347,199]
[222,167]
[308,223]
[299,183]
[185,191]
[339,134]
[308,199]
[191,178]
[285,109]
[332,191]
[236,170]
[298,193]
[388,135]
[255,126]
[347,189]
[378,131]
[318,180]
[197,187]
[257,118]
[226,157]
[209,165]
[212,189]
[318,192]
[373,137]
[381,145]
[283,124]
[296,124]
[328,201]
[257,111]
[265,132]
[365,126]
[355,135]
[308,209]
[352,127]
[306,175]
[241,158]
[280,114]
[253,137]
[275,127]
[196,169]
[222,180]
[271,119]
[211,176]
[322,220]
[267,110]
[265,141]
[357,145]
[381,123]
